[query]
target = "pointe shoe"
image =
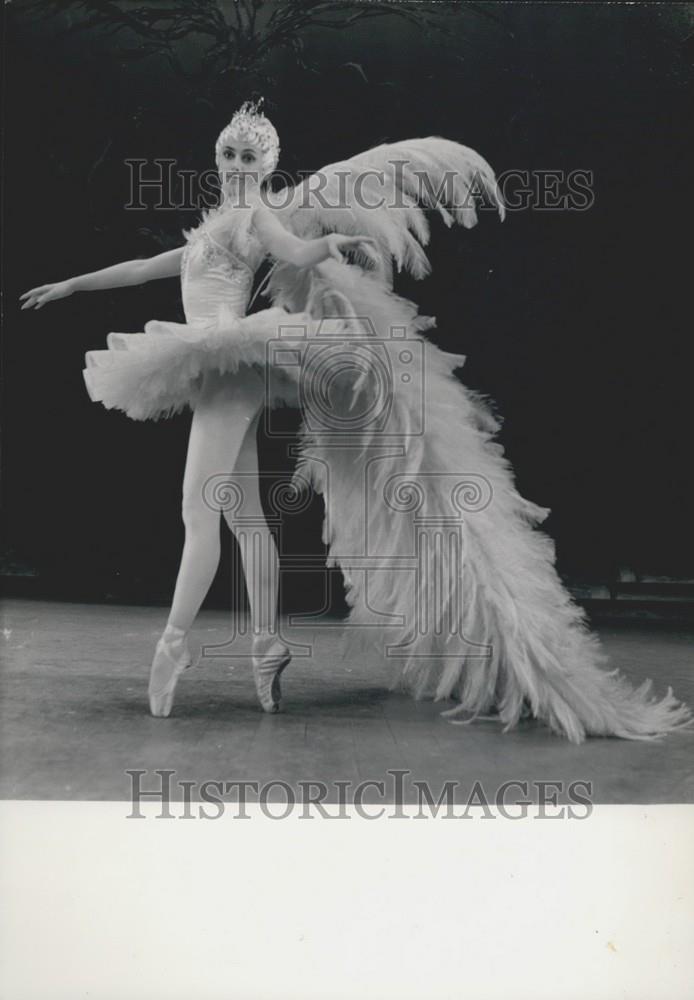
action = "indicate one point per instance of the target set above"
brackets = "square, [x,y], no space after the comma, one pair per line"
[171,658]
[267,668]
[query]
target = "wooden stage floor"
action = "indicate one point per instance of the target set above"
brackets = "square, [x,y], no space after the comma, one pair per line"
[74,716]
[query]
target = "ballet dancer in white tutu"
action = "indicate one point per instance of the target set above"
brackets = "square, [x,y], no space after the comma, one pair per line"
[421,511]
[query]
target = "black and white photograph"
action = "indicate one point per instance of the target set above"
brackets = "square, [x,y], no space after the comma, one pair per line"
[347,481]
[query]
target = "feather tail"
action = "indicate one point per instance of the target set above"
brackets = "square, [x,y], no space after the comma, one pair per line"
[440,550]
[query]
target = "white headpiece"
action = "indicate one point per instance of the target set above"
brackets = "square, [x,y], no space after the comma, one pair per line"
[250,125]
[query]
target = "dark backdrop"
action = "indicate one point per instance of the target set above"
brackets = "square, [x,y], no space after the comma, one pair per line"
[577,323]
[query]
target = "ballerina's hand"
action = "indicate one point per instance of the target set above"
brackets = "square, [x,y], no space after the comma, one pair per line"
[39,296]
[337,243]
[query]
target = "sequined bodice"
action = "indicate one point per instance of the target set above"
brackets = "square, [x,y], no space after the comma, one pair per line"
[217,268]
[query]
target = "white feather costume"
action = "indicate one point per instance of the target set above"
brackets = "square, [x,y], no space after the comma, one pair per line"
[441,559]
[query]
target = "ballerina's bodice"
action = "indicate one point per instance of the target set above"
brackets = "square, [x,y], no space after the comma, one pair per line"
[218,265]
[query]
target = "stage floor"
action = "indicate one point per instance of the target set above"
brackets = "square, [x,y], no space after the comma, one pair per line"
[74,716]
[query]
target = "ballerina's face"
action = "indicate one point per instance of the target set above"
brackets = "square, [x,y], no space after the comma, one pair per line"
[240,165]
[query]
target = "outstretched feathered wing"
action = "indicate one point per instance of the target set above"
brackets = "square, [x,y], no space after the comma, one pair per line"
[442,562]
[381,193]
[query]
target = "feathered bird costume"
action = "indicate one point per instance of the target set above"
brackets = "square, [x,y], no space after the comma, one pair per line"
[440,553]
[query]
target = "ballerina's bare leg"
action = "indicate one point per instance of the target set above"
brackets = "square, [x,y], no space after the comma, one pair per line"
[255,540]
[223,431]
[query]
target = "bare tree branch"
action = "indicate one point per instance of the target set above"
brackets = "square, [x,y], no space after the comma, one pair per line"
[240,43]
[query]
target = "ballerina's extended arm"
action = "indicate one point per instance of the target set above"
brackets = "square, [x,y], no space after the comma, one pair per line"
[129,272]
[285,246]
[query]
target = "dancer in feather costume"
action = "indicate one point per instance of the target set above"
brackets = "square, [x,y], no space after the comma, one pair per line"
[441,558]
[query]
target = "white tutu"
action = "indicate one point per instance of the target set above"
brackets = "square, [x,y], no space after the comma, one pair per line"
[159,372]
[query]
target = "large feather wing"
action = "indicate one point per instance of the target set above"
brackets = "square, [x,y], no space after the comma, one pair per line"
[381,193]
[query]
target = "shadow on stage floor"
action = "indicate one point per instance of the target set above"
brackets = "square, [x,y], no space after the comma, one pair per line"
[75,718]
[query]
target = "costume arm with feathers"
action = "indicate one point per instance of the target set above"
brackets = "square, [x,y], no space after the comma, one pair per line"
[500,631]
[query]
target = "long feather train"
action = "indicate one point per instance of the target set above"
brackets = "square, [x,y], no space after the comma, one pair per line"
[439,551]
[484,616]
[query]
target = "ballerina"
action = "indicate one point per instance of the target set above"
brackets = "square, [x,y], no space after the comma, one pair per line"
[227,403]
[421,511]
